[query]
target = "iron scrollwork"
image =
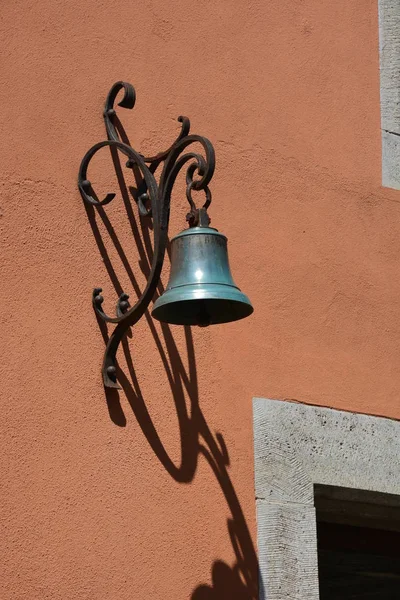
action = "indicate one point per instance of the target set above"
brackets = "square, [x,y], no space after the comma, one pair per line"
[158,195]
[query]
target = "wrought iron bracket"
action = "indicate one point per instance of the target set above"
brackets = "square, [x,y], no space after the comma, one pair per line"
[153,199]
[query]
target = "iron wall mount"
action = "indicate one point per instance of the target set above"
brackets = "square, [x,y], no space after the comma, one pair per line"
[149,192]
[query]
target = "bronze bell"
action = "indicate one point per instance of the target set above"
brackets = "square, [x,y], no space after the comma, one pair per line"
[200,290]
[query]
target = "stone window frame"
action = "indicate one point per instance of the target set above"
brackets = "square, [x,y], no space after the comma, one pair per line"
[389,60]
[297,447]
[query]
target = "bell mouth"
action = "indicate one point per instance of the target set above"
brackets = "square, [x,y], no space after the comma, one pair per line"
[202,305]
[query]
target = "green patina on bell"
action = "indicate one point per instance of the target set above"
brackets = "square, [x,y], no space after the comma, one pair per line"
[201,290]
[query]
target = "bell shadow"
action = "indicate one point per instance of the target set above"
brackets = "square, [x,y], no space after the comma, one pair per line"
[237,582]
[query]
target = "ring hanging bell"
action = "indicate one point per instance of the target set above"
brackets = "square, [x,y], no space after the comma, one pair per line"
[201,290]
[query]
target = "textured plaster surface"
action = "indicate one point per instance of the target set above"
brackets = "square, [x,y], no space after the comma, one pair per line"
[94,505]
[297,446]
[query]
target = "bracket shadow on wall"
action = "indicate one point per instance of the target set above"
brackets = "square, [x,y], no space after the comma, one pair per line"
[201,290]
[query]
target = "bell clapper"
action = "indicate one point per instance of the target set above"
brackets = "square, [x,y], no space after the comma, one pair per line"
[203,318]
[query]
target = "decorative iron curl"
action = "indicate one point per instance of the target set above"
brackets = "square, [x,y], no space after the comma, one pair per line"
[198,175]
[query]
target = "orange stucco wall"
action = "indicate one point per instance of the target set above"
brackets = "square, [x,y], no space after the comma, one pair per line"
[150,494]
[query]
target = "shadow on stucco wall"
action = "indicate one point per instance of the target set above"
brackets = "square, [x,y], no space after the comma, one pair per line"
[237,582]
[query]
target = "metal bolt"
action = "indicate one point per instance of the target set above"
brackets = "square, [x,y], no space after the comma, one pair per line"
[123,306]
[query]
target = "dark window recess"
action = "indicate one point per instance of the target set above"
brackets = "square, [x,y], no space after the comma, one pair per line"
[358,544]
